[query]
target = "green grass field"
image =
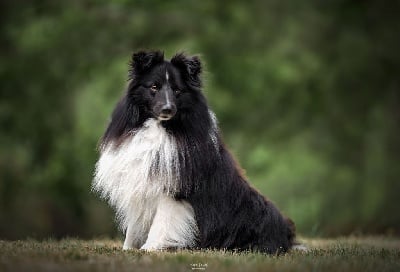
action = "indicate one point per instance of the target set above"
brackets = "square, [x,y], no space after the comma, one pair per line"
[343,254]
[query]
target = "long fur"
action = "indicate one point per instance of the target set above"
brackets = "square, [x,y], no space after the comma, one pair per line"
[183,162]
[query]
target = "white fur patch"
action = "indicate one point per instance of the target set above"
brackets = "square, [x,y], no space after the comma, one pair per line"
[174,226]
[300,247]
[125,177]
[168,101]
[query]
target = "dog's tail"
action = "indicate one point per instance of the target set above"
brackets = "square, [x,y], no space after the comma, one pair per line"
[299,247]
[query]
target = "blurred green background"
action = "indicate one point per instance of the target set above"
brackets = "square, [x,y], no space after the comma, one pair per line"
[307,94]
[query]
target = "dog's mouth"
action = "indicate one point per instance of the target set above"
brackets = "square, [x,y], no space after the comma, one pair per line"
[165,117]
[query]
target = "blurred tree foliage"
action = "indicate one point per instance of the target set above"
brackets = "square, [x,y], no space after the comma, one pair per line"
[307,95]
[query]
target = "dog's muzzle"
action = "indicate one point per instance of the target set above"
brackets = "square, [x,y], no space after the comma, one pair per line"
[167,112]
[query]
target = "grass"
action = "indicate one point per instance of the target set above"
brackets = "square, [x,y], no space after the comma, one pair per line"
[343,254]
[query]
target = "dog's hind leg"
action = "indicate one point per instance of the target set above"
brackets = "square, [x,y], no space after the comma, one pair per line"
[174,226]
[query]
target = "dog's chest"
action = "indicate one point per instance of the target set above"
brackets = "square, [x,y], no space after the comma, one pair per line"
[144,166]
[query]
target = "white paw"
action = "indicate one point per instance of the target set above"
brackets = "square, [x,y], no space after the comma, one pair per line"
[150,248]
[127,248]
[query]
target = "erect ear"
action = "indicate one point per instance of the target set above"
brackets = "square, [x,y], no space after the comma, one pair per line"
[142,61]
[190,67]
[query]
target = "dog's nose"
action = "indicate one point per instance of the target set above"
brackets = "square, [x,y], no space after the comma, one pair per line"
[166,110]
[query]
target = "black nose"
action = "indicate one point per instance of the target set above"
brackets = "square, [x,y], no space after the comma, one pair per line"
[166,110]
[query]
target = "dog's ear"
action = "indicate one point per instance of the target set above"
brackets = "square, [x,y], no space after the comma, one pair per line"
[190,67]
[142,61]
[124,118]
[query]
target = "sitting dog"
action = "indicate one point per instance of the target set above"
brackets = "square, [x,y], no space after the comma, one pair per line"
[169,176]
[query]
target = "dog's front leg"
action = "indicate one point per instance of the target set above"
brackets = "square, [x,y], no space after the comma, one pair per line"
[174,226]
[129,238]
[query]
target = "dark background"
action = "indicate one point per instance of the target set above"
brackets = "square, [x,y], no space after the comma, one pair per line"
[307,94]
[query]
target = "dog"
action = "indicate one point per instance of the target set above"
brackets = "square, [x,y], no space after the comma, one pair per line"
[165,170]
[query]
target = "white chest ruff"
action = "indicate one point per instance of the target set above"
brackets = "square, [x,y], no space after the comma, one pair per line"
[135,175]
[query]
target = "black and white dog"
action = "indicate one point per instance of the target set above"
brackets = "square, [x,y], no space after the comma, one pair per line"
[166,171]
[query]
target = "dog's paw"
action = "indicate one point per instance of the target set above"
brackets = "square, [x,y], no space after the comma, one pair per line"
[150,248]
[127,248]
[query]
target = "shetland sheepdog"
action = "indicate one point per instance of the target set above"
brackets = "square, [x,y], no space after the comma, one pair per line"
[165,169]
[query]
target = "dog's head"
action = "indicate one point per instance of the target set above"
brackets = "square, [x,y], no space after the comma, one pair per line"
[164,88]
[169,91]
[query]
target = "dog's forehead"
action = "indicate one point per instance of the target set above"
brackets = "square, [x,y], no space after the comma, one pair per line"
[164,72]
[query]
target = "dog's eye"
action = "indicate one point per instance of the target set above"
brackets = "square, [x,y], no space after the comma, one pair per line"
[177,91]
[154,88]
